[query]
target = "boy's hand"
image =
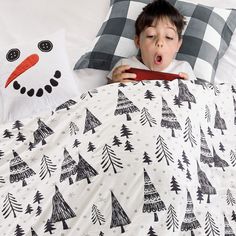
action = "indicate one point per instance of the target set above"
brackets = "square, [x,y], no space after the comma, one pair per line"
[183,75]
[120,75]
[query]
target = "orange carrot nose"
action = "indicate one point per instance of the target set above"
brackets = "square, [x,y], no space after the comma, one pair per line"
[22,67]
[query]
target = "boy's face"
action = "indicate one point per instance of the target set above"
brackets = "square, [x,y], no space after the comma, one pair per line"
[158,44]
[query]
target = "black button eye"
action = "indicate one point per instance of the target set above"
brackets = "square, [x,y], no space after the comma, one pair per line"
[13,54]
[45,46]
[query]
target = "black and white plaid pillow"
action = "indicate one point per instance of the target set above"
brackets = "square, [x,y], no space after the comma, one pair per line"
[205,40]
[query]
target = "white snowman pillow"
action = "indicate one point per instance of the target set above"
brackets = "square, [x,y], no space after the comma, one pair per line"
[35,77]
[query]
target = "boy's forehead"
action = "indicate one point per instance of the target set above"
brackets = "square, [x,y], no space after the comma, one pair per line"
[163,21]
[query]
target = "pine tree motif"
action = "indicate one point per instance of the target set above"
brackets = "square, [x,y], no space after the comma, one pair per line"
[146,158]
[188,133]
[10,205]
[185,159]
[19,170]
[97,216]
[116,141]
[152,199]
[125,132]
[49,227]
[180,165]
[233,216]
[149,95]
[228,229]
[219,122]
[205,153]
[109,159]
[233,89]
[209,132]
[157,83]
[7,134]
[91,147]
[163,151]
[76,143]
[124,106]
[234,110]
[172,219]
[230,198]
[61,211]
[89,93]
[20,137]
[17,125]
[33,233]
[28,209]
[207,114]
[91,122]
[151,232]
[210,226]
[19,231]
[41,133]
[38,197]
[119,217]
[233,158]
[31,146]
[2,181]
[218,162]
[68,167]
[188,175]
[38,210]
[128,146]
[169,119]
[205,184]
[1,154]
[66,105]
[199,195]
[190,222]
[177,101]
[166,84]
[85,170]
[146,118]
[221,147]
[101,233]
[46,167]
[73,128]
[214,88]
[174,185]
[185,95]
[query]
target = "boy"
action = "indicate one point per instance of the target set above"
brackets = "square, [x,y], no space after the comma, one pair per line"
[158,37]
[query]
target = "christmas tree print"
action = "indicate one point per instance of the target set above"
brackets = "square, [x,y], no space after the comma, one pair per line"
[19,170]
[157,83]
[169,119]
[151,232]
[190,222]
[68,167]
[38,210]
[185,95]
[28,209]
[7,134]
[199,195]
[146,118]
[33,233]
[46,167]
[73,128]
[233,89]
[172,219]
[177,101]
[89,93]
[20,137]
[185,159]
[128,146]
[19,231]
[41,133]
[211,228]
[205,184]
[38,197]
[61,211]
[76,143]
[209,132]
[146,158]
[2,181]
[219,122]
[228,229]
[31,146]
[85,170]
[116,141]
[233,216]
[233,158]
[91,122]
[10,205]
[66,105]
[91,147]
[119,217]
[174,186]
[218,162]
[163,151]
[125,132]
[180,165]
[17,125]
[97,216]
[109,158]
[152,199]
[221,147]
[1,154]
[101,233]
[207,114]
[188,175]
[215,88]
[230,198]
[124,106]
[49,227]
[205,153]
[149,95]
[234,111]
[166,84]
[188,133]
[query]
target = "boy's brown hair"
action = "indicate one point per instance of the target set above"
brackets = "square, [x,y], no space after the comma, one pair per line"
[157,10]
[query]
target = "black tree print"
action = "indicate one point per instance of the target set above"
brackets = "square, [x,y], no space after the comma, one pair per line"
[76,143]
[146,118]
[163,151]
[49,227]
[31,146]
[38,197]
[66,105]
[38,210]
[205,153]
[233,217]
[172,219]
[190,222]
[68,167]
[91,122]
[19,170]
[61,211]
[205,184]
[33,233]
[97,216]
[89,93]
[124,106]
[209,132]
[109,158]
[149,95]
[91,147]
[20,137]
[41,133]
[207,113]
[221,147]
[230,198]
[85,170]
[73,128]
[10,205]
[219,122]
[17,125]
[188,133]
[19,231]
[185,95]
[233,158]
[185,159]
[228,230]
[233,89]
[199,195]
[46,167]
[1,154]
[146,158]
[174,186]
[218,162]
[166,84]
[116,141]
[7,134]
[125,131]
[169,119]
[180,165]
[177,101]
[128,146]
[211,228]
[152,199]
[119,217]
[151,232]
[28,209]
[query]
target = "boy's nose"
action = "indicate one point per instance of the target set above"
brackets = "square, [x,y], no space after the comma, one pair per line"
[159,43]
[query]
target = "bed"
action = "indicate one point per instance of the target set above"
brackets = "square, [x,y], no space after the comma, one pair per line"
[82,157]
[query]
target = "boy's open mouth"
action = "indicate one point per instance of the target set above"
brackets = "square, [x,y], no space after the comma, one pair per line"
[158,59]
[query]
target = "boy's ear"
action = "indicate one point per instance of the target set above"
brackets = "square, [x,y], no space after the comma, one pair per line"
[136,41]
